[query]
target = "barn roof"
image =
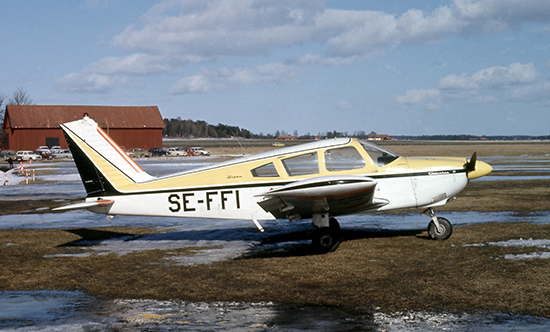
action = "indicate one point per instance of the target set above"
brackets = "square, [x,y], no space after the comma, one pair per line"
[51,116]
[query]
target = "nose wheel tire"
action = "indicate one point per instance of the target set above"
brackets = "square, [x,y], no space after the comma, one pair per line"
[443,232]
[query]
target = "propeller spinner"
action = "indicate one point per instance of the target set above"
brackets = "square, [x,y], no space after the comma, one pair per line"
[476,169]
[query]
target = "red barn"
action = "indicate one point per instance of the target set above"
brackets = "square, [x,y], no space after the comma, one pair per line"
[30,126]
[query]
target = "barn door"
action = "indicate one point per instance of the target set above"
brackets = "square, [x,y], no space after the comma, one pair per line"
[52,141]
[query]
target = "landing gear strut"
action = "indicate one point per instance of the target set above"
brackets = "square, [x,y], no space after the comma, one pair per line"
[327,235]
[439,228]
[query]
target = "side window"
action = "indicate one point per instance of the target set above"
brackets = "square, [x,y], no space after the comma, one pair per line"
[343,159]
[302,165]
[267,170]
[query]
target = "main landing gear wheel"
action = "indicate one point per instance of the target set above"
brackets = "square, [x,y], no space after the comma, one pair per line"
[443,232]
[326,239]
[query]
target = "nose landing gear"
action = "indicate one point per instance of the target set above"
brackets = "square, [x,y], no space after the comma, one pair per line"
[439,228]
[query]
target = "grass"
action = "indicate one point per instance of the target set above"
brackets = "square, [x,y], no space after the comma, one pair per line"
[395,271]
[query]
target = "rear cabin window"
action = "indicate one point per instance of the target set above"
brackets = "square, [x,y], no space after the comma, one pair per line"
[343,159]
[302,165]
[265,171]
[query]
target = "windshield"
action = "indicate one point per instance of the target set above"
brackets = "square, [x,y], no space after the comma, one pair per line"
[379,155]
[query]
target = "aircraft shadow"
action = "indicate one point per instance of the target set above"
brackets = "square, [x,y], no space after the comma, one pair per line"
[298,243]
[90,237]
[280,244]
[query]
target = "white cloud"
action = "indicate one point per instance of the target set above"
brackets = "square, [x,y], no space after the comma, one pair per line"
[222,27]
[192,84]
[492,77]
[79,82]
[429,98]
[226,78]
[135,64]
[500,14]
[175,33]
[515,82]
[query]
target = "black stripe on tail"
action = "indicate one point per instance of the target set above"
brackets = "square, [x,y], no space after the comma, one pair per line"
[95,183]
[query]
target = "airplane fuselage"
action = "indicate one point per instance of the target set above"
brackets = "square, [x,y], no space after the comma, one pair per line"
[402,183]
[317,180]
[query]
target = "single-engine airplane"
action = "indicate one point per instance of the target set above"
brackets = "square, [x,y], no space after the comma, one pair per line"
[318,180]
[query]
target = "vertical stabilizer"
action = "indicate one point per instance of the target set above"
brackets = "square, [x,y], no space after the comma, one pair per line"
[103,166]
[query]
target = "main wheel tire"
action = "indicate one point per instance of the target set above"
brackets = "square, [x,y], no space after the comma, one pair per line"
[325,239]
[334,225]
[445,229]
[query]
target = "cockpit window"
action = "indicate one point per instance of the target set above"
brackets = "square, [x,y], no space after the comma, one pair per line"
[302,165]
[343,159]
[267,170]
[379,155]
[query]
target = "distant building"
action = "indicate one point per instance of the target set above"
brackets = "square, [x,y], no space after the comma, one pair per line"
[379,137]
[30,126]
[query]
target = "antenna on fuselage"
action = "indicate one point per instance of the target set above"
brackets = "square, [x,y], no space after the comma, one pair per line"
[238,141]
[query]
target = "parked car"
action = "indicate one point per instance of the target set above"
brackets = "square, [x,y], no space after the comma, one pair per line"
[8,154]
[60,154]
[177,152]
[26,155]
[42,149]
[189,152]
[137,153]
[200,151]
[158,152]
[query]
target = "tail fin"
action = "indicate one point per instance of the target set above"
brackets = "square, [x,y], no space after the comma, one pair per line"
[105,169]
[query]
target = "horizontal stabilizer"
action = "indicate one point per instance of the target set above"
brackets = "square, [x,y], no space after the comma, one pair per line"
[85,205]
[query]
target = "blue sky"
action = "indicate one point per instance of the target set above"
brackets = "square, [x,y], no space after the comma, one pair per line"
[477,67]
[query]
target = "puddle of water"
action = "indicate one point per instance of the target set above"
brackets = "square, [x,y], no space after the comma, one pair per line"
[75,311]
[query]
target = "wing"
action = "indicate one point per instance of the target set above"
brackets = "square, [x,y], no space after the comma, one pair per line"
[336,195]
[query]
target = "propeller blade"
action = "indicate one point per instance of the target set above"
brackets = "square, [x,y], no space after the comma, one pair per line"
[471,165]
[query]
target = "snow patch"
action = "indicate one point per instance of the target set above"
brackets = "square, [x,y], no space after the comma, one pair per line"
[10,178]
[520,243]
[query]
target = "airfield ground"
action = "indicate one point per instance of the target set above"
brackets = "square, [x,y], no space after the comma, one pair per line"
[393,271]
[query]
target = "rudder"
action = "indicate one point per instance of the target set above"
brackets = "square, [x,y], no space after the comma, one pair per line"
[103,166]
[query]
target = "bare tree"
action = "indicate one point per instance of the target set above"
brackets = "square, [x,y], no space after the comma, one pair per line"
[2,111]
[2,106]
[20,97]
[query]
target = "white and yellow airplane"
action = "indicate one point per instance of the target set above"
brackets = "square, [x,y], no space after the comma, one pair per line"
[317,180]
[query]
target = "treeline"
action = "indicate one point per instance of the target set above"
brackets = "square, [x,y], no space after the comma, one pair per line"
[190,129]
[199,129]
[470,137]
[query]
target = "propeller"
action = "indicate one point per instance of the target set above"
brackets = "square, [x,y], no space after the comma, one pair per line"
[471,165]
